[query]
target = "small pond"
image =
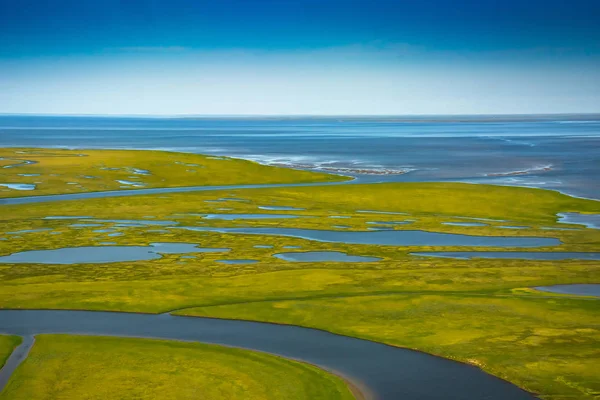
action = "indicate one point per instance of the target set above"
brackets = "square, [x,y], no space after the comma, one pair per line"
[380,212]
[18,186]
[316,256]
[280,208]
[464,223]
[231,217]
[104,254]
[589,220]
[581,289]
[28,231]
[516,255]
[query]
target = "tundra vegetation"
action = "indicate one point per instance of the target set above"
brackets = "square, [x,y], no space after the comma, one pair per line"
[7,344]
[480,311]
[88,367]
[58,171]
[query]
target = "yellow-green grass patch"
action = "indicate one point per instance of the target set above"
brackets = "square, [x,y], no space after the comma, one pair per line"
[87,367]
[545,345]
[7,344]
[75,171]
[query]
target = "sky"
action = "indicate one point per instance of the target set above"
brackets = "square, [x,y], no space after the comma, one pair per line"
[307,57]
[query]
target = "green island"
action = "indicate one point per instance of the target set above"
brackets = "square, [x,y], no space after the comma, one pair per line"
[484,312]
[59,171]
[78,367]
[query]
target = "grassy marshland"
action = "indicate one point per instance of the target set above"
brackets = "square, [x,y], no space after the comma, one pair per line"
[57,171]
[88,367]
[477,311]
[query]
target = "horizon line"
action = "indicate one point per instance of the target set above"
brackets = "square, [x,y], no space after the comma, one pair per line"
[184,116]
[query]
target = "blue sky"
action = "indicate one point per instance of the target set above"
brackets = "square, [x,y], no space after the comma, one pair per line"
[299,57]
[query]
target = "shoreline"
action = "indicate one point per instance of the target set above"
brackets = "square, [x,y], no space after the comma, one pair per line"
[345,172]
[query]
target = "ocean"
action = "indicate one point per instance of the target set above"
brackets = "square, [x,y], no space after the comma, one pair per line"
[559,152]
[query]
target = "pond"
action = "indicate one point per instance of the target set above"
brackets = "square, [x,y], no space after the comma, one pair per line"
[104,254]
[231,217]
[389,237]
[464,223]
[588,220]
[316,256]
[580,289]
[19,186]
[516,255]
[280,208]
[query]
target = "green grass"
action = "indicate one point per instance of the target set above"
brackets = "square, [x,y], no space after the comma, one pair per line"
[76,171]
[7,344]
[477,311]
[545,345]
[86,367]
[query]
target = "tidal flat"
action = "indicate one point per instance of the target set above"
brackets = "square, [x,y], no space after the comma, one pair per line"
[479,311]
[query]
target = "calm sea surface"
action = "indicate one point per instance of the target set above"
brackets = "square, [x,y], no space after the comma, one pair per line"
[553,152]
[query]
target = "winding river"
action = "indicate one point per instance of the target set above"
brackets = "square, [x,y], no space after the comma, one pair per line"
[384,372]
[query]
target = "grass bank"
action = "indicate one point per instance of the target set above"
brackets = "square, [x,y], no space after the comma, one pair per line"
[7,344]
[88,367]
[548,346]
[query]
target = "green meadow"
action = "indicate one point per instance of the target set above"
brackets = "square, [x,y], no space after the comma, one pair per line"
[7,345]
[481,311]
[87,367]
[58,171]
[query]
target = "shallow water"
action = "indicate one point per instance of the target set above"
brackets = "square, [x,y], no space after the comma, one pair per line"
[18,355]
[136,222]
[380,212]
[19,186]
[84,225]
[103,254]
[316,256]
[389,373]
[28,231]
[138,171]
[231,217]
[280,208]
[517,255]
[581,289]
[589,220]
[464,223]
[67,217]
[389,237]
[391,222]
[555,152]
[130,183]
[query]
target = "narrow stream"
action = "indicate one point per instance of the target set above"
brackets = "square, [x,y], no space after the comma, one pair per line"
[138,192]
